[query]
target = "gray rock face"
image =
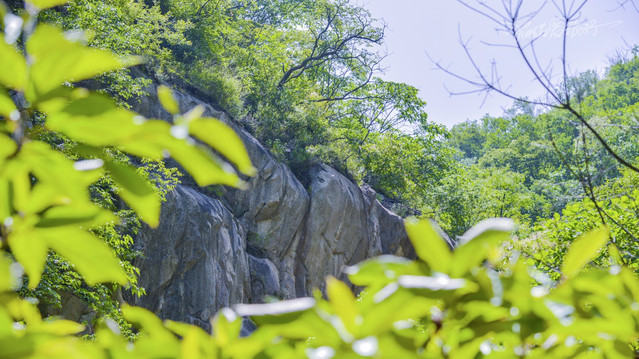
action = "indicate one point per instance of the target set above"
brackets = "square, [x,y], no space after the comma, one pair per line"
[273,209]
[386,227]
[265,279]
[195,262]
[274,239]
[336,232]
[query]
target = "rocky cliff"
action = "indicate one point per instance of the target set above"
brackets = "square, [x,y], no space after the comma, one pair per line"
[276,238]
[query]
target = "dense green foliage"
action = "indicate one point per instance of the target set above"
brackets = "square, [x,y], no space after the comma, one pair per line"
[550,174]
[532,163]
[71,198]
[300,75]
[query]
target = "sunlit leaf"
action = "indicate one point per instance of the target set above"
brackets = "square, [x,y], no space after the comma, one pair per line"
[440,282]
[14,68]
[19,184]
[278,308]
[631,283]
[165,95]
[54,169]
[7,146]
[30,250]
[192,115]
[429,245]
[151,140]
[86,216]
[146,320]
[7,107]
[583,250]
[251,346]
[226,326]
[299,325]
[57,60]
[343,303]
[480,243]
[45,4]
[400,305]
[223,139]
[93,119]
[136,192]
[478,232]
[202,165]
[380,270]
[5,204]
[152,332]
[615,255]
[92,258]
[9,278]
[196,343]
[3,11]
[59,327]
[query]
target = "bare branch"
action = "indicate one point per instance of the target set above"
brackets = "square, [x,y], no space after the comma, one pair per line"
[510,20]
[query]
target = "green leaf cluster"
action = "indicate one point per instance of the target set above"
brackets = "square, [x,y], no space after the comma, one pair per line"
[300,75]
[65,163]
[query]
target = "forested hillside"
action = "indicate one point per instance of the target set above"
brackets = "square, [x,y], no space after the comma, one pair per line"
[303,76]
[547,171]
[82,174]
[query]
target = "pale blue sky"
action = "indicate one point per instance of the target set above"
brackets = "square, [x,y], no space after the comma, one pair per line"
[417,26]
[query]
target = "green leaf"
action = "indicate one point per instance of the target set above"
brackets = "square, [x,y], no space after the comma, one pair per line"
[196,342]
[57,60]
[397,306]
[19,185]
[96,120]
[136,192]
[165,95]
[152,332]
[92,258]
[5,200]
[54,170]
[223,139]
[30,250]
[14,68]
[278,312]
[85,216]
[380,270]
[440,282]
[60,327]
[226,326]
[7,147]
[144,318]
[615,255]
[202,165]
[45,4]
[343,303]
[9,279]
[7,107]
[152,140]
[480,243]
[429,245]
[583,250]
